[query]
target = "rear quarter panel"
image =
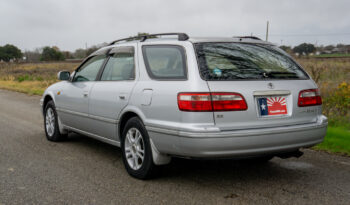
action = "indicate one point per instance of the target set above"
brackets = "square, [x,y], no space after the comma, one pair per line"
[157,99]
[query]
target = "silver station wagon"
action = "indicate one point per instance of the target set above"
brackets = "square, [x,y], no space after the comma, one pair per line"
[168,95]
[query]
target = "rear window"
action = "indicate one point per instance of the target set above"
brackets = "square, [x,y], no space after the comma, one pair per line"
[165,61]
[235,61]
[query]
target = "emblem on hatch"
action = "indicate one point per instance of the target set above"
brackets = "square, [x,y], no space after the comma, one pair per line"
[270,85]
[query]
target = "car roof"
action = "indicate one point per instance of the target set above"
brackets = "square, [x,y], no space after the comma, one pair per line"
[203,40]
[227,39]
[239,39]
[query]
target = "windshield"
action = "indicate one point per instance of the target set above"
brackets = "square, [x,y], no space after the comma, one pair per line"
[234,61]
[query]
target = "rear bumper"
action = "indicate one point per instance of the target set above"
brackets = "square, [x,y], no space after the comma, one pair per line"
[240,143]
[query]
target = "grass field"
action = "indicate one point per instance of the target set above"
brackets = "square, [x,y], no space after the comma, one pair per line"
[333,55]
[336,141]
[331,74]
[31,78]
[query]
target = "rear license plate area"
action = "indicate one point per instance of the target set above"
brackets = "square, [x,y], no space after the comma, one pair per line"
[272,106]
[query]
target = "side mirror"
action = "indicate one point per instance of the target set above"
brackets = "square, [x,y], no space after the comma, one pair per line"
[63,75]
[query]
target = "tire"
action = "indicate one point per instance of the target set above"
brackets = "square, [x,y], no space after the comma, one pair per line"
[136,150]
[51,124]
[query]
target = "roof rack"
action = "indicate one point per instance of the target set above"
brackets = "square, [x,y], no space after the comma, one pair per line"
[181,37]
[251,37]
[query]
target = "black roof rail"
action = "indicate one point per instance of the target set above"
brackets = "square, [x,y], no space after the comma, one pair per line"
[181,37]
[251,37]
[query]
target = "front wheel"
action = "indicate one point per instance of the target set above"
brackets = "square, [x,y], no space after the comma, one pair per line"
[136,148]
[51,123]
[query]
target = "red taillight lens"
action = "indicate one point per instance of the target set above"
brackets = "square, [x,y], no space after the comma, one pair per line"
[228,102]
[194,102]
[309,98]
[201,102]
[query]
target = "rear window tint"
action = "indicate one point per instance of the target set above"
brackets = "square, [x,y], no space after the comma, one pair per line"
[235,61]
[165,61]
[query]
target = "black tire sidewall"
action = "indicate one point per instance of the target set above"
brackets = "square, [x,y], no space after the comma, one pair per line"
[56,135]
[148,167]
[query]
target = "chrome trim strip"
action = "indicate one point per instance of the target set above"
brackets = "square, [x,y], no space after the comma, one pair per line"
[108,120]
[72,112]
[113,121]
[162,130]
[271,92]
[239,133]
[97,137]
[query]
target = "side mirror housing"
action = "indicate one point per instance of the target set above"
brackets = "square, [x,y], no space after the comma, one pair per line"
[63,75]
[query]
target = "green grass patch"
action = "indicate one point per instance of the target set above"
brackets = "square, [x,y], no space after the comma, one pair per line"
[333,55]
[336,141]
[28,87]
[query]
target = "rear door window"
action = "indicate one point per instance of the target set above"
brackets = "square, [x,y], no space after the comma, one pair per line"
[165,61]
[120,66]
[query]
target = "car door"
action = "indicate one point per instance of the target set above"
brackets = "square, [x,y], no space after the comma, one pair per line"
[73,98]
[111,93]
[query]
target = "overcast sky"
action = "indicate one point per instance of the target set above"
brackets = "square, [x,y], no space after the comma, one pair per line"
[69,24]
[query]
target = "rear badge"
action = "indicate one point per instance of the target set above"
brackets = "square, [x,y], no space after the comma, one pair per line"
[272,106]
[270,85]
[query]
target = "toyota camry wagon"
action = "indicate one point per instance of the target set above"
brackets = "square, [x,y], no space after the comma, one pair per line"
[170,95]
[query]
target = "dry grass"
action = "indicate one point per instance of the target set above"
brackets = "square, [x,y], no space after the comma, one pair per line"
[29,87]
[331,71]
[333,78]
[31,78]
[33,72]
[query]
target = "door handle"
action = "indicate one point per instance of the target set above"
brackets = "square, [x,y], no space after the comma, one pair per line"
[122,97]
[85,94]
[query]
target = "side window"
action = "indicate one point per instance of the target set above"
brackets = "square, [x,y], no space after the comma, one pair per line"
[89,70]
[165,61]
[120,66]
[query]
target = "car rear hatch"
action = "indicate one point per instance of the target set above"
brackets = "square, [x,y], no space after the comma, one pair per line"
[268,80]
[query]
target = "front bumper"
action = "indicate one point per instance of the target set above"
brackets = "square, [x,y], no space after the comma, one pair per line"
[41,103]
[240,143]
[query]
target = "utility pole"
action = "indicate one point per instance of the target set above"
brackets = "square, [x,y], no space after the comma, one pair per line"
[267,30]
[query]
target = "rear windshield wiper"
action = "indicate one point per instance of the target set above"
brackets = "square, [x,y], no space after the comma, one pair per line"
[279,75]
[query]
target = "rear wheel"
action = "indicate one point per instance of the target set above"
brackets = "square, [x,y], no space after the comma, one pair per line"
[51,123]
[136,148]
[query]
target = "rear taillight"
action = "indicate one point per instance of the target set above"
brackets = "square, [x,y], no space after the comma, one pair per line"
[309,98]
[194,102]
[202,102]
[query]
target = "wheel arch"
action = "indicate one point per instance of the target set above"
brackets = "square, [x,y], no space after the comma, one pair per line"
[158,158]
[126,114]
[48,97]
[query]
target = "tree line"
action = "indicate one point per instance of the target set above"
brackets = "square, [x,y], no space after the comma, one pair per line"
[9,52]
[12,53]
[307,49]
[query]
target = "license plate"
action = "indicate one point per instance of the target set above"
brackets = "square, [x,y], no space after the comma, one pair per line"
[272,106]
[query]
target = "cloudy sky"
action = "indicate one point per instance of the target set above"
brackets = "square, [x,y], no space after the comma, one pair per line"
[71,24]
